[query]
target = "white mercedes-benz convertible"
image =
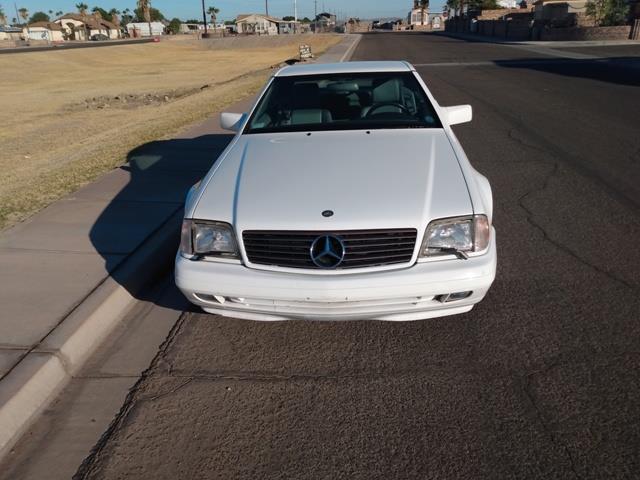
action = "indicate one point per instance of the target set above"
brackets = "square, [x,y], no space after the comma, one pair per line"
[344,195]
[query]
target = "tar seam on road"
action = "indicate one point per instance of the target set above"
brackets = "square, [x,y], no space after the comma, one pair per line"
[89,463]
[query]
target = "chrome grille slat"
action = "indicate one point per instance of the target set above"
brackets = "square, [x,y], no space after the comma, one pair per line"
[363,248]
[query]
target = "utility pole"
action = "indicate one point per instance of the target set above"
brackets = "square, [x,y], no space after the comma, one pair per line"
[295,16]
[266,7]
[315,19]
[204,17]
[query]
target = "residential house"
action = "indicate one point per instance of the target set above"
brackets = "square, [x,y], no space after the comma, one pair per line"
[141,29]
[83,27]
[325,22]
[195,28]
[416,15]
[560,12]
[257,24]
[10,33]
[288,26]
[48,31]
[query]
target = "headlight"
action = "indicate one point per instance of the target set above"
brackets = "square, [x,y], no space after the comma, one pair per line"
[207,238]
[460,234]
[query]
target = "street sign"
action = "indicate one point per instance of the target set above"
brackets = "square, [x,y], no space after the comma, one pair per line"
[305,52]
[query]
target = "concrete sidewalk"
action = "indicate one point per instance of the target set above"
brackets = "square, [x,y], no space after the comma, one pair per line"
[70,273]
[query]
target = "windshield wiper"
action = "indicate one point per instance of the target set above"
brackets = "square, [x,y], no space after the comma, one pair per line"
[454,251]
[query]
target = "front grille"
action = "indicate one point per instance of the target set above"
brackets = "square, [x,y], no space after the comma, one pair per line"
[363,248]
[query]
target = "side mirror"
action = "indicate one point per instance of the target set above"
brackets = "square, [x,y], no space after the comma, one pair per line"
[458,114]
[231,121]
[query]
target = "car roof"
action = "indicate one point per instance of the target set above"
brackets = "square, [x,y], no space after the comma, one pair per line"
[345,67]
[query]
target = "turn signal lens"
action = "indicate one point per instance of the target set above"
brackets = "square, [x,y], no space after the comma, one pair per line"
[186,246]
[482,233]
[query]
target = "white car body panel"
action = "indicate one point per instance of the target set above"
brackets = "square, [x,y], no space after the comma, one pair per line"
[378,179]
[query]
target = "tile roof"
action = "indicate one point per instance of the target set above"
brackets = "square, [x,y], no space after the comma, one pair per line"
[242,16]
[47,25]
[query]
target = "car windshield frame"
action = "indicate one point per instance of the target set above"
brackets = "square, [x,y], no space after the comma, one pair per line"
[387,120]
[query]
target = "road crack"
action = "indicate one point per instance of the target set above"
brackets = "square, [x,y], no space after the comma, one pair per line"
[559,245]
[540,417]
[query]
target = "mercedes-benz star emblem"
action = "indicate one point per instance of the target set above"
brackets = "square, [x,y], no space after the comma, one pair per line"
[327,251]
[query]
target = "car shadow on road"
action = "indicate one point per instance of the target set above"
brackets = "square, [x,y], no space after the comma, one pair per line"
[137,233]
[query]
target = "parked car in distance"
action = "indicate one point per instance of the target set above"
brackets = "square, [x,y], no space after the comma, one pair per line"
[99,37]
[345,194]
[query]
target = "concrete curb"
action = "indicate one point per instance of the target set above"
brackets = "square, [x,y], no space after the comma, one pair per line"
[43,372]
[352,48]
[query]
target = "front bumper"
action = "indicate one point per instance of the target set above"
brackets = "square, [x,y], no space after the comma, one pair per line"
[234,290]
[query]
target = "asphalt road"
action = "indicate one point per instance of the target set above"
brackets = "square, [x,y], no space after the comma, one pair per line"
[541,380]
[75,45]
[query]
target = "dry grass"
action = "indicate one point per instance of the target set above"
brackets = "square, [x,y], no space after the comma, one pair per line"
[55,137]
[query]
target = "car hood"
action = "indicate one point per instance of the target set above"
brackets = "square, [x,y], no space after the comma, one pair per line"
[369,180]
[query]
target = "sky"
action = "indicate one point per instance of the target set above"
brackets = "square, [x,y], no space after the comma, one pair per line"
[185,9]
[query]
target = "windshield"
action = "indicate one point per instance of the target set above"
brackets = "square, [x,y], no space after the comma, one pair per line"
[343,102]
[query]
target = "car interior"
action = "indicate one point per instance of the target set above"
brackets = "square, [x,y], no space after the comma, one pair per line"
[344,101]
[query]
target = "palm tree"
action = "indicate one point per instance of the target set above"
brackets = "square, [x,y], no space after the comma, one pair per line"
[82,9]
[115,19]
[126,16]
[115,16]
[24,14]
[213,11]
[145,7]
[59,13]
[424,5]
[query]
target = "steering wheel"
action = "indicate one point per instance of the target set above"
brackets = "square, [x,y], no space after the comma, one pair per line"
[387,104]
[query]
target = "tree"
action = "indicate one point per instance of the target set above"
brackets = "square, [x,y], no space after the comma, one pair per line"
[115,16]
[288,18]
[59,13]
[306,20]
[212,12]
[424,5]
[39,17]
[154,14]
[608,12]
[174,25]
[126,17]
[3,18]
[82,8]
[24,13]
[103,13]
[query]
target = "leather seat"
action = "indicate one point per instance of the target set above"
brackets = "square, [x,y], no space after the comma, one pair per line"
[387,92]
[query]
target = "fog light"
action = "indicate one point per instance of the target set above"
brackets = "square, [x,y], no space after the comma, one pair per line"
[210,298]
[453,297]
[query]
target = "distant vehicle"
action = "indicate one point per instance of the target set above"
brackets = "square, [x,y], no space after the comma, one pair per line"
[99,37]
[344,195]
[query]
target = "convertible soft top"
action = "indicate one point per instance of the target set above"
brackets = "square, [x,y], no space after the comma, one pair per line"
[346,67]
